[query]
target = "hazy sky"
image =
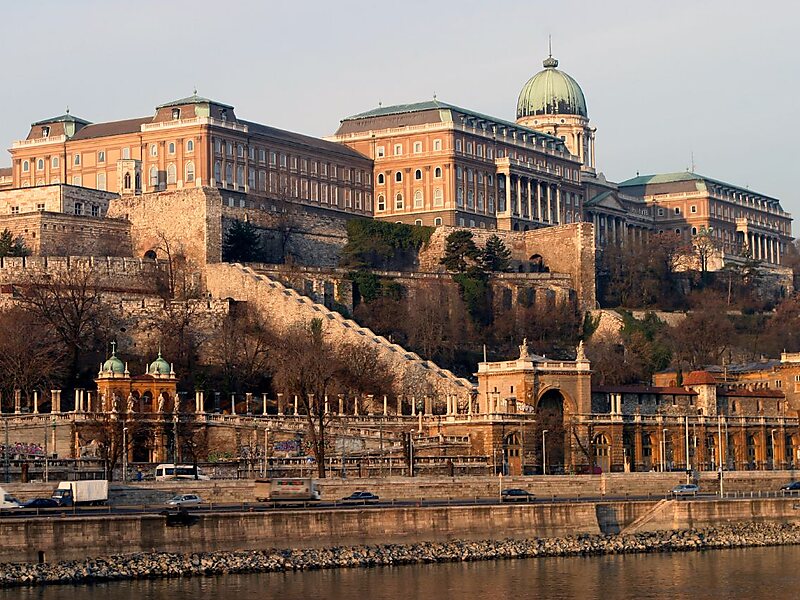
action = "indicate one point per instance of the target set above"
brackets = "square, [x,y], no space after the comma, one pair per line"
[662,79]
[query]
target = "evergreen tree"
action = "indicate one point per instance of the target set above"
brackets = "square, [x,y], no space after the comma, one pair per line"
[496,257]
[242,243]
[460,248]
[11,246]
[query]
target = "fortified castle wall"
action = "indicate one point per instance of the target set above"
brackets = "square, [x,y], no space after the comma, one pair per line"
[567,249]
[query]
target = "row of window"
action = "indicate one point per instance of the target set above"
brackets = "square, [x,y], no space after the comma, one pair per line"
[55,161]
[282,160]
[79,208]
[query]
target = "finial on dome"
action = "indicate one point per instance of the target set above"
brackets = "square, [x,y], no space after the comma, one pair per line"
[195,90]
[550,62]
[67,108]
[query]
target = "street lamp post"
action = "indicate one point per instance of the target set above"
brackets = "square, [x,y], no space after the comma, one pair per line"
[124,455]
[544,452]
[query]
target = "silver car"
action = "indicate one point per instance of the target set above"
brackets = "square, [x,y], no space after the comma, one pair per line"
[185,500]
[685,489]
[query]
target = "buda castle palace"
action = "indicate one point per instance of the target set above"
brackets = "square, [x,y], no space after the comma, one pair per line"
[424,163]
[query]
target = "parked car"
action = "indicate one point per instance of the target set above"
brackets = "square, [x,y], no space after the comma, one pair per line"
[685,489]
[359,498]
[791,487]
[185,500]
[516,495]
[41,503]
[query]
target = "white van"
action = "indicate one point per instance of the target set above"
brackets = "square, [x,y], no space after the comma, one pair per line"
[7,501]
[167,472]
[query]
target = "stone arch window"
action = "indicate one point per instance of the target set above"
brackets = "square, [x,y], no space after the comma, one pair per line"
[189,172]
[418,222]
[419,199]
[229,173]
[438,197]
[171,147]
[26,166]
[54,162]
[153,176]
[126,181]
[40,164]
[418,174]
[190,146]
[172,176]
[381,202]
[381,179]
[437,221]
[437,172]
[151,254]
[398,202]
[153,150]
[398,177]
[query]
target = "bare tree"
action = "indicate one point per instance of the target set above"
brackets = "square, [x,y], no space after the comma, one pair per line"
[240,347]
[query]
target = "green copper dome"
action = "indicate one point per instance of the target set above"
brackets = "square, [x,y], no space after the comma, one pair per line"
[551,92]
[159,366]
[114,365]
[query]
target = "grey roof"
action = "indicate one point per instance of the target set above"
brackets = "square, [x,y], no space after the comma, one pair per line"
[98,130]
[397,109]
[684,176]
[302,140]
[193,99]
[65,118]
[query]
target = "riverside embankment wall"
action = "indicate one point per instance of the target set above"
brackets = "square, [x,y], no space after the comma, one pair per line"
[68,538]
[403,488]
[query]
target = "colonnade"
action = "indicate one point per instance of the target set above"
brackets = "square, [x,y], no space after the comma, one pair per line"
[613,229]
[534,199]
[763,247]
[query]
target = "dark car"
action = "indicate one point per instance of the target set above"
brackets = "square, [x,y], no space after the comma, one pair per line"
[359,498]
[41,503]
[516,495]
[794,486]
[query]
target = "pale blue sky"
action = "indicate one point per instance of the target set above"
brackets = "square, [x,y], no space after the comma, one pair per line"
[662,80]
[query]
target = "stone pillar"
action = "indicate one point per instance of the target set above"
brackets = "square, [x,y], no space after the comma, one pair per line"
[559,217]
[233,404]
[326,404]
[17,401]
[87,400]
[413,406]
[280,405]
[529,199]
[519,195]
[385,406]
[249,399]
[295,405]
[428,405]
[341,404]
[399,405]
[55,402]
[76,405]
[264,404]
[469,406]
[35,402]
[549,203]
[355,406]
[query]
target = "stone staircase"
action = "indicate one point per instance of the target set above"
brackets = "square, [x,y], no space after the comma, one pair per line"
[272,298]
[657,510]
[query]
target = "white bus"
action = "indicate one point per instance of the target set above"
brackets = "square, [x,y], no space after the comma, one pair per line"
[167,472]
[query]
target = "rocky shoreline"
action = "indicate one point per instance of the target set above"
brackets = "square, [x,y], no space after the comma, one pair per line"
[163,564]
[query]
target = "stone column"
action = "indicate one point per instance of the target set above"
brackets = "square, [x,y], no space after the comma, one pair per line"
[295,404]
[530,198]
[264,404]
[355,406]
[399,401]
[17,401]
[55,401]
[519,195]
[549,204]
[341,404]
[385,406]
[280,405]
[559,217]
[326,404]
[233,404]
[413,406]
[249,399]
[35,402]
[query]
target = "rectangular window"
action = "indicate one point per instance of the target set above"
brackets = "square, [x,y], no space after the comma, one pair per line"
[398,149]
[251,152]
[380,152]
[40,206]
[417,147]
[283,160]
[126,153]
[95,210]
[77,160]
[15,210]
[101,156]
[437,145]
[694,208]
[78,208]
[273,158]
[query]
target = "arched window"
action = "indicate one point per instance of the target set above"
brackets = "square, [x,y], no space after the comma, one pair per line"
[419,199]
[229,173]
[217,172]
[437,172]
[171,147]
[418,222]
[26,166]
[190,146]
[480,200]
[398,177]
[381,179]
[40,164]
[381,203]
[171,173]
[418,174]
[126,181]
[437,221]
[438,197]
[153,150]
[398,202]
[55,162]
[189,172]
[470,199]
[153,176]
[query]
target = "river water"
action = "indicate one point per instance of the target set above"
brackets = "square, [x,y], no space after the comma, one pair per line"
[752,573]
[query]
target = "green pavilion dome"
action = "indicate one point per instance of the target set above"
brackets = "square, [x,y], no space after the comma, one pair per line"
[159,366]
[551,92]
[113,365]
